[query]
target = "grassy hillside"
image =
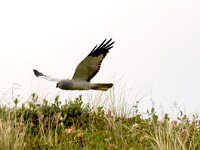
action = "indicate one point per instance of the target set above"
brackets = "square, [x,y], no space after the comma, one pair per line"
[73,125]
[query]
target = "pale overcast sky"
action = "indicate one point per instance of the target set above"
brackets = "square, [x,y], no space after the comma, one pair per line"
[157,45]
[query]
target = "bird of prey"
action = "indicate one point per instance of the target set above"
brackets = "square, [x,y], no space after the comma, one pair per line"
[85,71]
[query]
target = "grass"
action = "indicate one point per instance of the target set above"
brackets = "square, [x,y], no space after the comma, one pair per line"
[73,125]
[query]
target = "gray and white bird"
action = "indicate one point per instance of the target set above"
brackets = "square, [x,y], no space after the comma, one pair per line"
[85,71]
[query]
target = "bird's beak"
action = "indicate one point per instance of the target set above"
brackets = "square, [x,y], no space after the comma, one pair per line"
[57,85]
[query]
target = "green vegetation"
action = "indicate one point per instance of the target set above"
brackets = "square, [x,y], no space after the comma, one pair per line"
[73,125]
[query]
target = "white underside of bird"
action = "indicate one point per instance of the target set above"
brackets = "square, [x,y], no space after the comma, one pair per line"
[82,85]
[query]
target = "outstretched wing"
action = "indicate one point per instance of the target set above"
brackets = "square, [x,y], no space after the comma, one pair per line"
[90,66]
[40,75]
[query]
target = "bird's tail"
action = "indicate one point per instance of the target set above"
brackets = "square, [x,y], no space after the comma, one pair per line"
[102,86]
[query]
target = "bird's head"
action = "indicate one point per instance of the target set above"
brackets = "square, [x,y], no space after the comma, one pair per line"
[63,84]
[60,84]
[57,85]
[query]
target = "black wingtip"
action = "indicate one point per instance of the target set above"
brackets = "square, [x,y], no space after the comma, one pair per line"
[103,48]
[107,45]
[37,73]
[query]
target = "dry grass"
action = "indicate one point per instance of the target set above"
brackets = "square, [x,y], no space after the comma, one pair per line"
[76,126]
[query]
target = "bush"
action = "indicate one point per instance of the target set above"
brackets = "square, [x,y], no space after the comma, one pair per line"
[73,125]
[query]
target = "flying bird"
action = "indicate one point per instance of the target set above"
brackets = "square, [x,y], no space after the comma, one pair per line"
[85,71]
